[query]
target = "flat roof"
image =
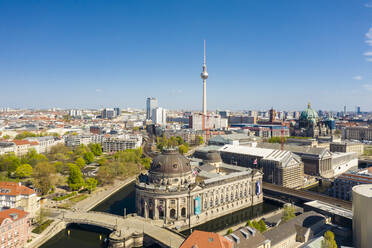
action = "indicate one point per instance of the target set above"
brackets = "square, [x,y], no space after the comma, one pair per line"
[331,208]
[364,190]
[252,151]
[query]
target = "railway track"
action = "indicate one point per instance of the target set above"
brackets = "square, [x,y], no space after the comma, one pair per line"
[307,196]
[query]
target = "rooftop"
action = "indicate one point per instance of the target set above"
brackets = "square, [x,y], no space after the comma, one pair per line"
[364,190]
[283,231]
[13,213]
[330,208]
[13,188]
[200,239]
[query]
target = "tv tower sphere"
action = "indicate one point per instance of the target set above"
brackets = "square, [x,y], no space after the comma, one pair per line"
[204,74]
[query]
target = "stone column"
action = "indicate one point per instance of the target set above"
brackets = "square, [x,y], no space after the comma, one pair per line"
[156,210]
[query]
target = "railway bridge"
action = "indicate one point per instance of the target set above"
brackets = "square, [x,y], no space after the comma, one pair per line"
[126,231]
[301,196]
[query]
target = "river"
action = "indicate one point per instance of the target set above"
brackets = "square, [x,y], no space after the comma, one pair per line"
[84,236]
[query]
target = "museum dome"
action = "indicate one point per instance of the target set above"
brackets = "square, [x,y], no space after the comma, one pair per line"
[309,114]
[170,161]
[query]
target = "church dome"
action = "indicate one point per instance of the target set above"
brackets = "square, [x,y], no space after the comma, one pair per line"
[309,114]
[171,162]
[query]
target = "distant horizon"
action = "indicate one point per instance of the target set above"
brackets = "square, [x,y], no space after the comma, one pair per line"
[260,54]
[184,110]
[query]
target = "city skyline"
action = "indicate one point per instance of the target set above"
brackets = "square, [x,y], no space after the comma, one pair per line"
[261,55]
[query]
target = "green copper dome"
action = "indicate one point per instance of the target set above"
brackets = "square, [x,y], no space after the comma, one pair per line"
[309,114]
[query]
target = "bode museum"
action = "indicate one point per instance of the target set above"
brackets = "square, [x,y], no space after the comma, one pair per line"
[185,193]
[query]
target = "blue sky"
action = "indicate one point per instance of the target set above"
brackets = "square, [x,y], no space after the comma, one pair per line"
[260,53]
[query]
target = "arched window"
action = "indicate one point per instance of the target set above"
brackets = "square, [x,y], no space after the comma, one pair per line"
[216,202]
[173,213]
[183,212]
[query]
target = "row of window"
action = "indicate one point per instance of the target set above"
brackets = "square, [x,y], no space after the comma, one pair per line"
[228,197]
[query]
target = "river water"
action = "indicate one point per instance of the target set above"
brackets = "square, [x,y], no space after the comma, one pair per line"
[85,236]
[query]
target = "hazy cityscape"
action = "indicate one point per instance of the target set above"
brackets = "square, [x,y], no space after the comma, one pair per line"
[185,124]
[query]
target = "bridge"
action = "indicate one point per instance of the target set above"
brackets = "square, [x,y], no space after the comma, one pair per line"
[125,229]
[302,196]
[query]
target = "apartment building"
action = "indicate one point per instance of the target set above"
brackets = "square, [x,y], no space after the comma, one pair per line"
[15,195]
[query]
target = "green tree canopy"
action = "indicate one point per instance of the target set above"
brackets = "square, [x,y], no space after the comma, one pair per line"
[89,157]
[24,170]
[61,167]
[199,140]
[32,157]
[146,162]
[105,174]
[80,162]
[329,240]
[43,175]
[260,225]
[96,149]
[183,149]
[288,213]
[9,162]
[90,184]
[75,180]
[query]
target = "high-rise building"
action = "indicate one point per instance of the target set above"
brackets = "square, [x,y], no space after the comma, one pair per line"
[159,116]
[108,113]
[117,111]
[151,103]
[272,114]
[74,112]
[358,110]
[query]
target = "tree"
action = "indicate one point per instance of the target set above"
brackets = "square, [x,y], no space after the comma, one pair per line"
[105,174]
[80,162]
[24,170]
[146,162]
[172,141]
[180,141]
[329,240]
[199,140]
[6,136]
[9,162]
[60,167]
[102,161]
[183,149]
[90,184]
[43,175]
[25,134]
[288,213]
[60,152]
[229,231]
[96,149]
[262,225]
[89,157]
[32,157]
[75,181]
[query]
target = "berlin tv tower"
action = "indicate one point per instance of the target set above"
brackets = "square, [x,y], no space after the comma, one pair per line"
[204,76]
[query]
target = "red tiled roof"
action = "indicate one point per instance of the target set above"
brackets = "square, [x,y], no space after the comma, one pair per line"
[202,239]
[7,214]
[14,189]
[20,142]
